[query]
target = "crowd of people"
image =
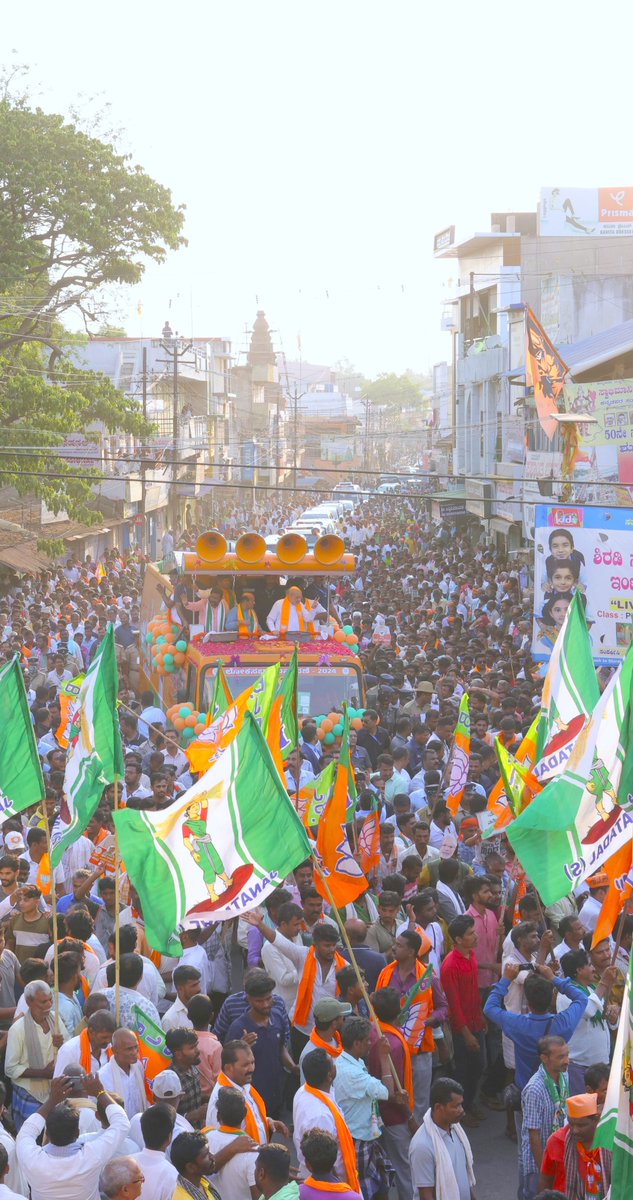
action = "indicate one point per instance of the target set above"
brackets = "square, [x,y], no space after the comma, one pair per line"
[283,1081]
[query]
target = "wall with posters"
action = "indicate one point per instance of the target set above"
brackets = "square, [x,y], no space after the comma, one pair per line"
[606,447]
[590,548]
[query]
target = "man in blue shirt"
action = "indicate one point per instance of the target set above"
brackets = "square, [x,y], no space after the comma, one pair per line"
[271,1056]
[527,1029]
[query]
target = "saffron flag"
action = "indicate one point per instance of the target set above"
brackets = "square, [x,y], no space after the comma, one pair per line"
[618,869]
[283,727]
[501,801]
[154,1054]
[369,842]
[518,781]
[460,757]
[545,370]
[413,994]
[95,757]
[219,849]
[258,700]
[69,708]
[615,1128]
[570,694]
[21,780]
[586,814]
[221,698]
[344,876]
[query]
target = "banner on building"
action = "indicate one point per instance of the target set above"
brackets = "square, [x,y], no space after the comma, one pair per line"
[586,212]
[589,549]
[605,446]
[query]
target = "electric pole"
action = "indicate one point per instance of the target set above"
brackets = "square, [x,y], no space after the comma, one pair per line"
[176,348]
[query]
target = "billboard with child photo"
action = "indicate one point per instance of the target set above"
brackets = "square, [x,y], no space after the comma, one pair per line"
[588,549]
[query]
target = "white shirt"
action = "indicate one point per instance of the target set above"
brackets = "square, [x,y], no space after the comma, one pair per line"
[212,1109]
[17,1061]
[14,1178]
[160,1175]
[152,984]
[589,913]
[235,1179]
[7,1194]
[176,1017]
[274,616]
[323,986]
[128,1085]
[181,1125]
[196,956]
[70,1052]
[75,858]
[91,963]
[588,1043]
[308,1112]
[75,1177]
[150,716]
[283,971]
[34,868]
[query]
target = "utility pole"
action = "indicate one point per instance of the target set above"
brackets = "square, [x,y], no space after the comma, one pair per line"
[144,452]
[366,402]
[176,349]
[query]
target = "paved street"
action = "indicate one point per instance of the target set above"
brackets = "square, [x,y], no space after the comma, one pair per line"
[495,1160]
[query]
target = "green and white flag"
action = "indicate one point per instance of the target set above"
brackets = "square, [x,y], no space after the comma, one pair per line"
[219,849]
[21,781]
[615,1129]
[96,756]
[581,818]
[570,694]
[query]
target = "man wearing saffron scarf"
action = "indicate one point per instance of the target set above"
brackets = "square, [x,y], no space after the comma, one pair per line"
[320,1150]
[293,614]
[570,1165]
[397,1123]
[238,1065]
[326,1035]
[88,1049]
[243,617]
[315,1108]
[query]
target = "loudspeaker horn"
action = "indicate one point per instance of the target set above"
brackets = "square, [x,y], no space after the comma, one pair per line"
[250,548]
[211,546]
[329,549]
[291,548]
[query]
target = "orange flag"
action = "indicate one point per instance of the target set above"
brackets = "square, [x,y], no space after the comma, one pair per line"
[545,369]
[618,869]
[369,842]
[345,878]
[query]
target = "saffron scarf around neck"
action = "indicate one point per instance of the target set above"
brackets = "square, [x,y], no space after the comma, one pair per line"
[332,1048]
[305,990]
[85,1052]
[344,1137]
[250,1121]
[303,606]
[323,1185]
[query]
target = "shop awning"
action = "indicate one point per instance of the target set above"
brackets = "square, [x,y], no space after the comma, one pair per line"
[503,525]
[24,558]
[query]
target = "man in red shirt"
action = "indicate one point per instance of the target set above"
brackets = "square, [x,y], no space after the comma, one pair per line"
[489,930]
[569,1165]
[459,974]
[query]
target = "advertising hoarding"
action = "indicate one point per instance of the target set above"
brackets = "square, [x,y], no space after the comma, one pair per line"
[586,212]
[590,548]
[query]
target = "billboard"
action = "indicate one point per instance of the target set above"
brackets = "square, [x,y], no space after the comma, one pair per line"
[586,212]
[591,549]
[605,449]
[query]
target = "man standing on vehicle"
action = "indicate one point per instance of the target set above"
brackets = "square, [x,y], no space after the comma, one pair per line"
[293,614]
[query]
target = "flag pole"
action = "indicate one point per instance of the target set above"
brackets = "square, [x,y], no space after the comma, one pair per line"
[117,907]
[361,982]
[295,715]
[54,916]
[618,941]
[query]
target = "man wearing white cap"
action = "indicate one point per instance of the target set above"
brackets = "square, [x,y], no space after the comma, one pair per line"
[167,1089]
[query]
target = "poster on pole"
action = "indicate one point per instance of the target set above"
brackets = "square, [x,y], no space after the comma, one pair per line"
[590,549]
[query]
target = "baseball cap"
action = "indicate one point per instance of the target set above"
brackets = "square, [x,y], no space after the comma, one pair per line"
[14,841]
[167,1085]
[327,1009]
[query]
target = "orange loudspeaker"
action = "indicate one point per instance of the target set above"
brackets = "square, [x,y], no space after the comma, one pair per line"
[291,548]
[250,548]
[329,549]
[211,546]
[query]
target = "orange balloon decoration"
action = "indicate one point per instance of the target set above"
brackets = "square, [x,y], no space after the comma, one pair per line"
[179,723]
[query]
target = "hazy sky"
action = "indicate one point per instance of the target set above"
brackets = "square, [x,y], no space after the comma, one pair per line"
[319,146]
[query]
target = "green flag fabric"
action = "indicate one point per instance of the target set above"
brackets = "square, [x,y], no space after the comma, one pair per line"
[570,694]
[96,756]
[515,776]
[222,697]
[615,1129]
[584,815]
[21,780]
[219,849]
[314,795]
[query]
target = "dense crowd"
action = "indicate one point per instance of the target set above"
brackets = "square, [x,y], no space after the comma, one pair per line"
[279,1084]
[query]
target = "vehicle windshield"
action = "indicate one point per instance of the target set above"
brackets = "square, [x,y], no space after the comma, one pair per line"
[320,688]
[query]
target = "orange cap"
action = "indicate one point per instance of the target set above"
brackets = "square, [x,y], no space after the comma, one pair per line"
[583,1106]
[600,880]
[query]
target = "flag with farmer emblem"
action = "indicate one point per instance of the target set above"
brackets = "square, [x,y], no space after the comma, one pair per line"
[314,795]
[95,757]
[615,1128]
[257,699]
[500,804]
[545,370]
[219,849]
[69,708]
[586,814]
[283,728]
[21,781]
[221,698]
[459,760]
[345,878]
[570,694]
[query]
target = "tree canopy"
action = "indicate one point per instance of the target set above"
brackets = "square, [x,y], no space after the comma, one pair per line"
[397,391]
[76,217]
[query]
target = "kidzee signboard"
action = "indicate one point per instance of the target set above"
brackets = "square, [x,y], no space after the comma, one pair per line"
[591,550]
